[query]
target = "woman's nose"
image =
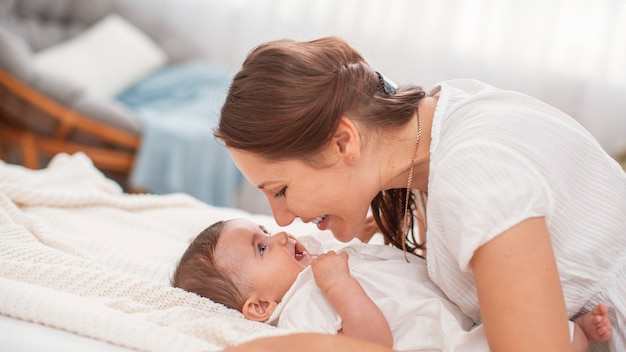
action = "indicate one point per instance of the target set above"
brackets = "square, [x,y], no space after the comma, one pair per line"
[281,212]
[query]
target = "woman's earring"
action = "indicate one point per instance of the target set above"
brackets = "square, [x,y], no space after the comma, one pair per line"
[353,158]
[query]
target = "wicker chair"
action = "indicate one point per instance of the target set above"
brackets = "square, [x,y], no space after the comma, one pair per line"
[111,149]
[41,116]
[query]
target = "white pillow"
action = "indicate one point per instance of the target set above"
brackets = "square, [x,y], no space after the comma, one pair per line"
[105,58]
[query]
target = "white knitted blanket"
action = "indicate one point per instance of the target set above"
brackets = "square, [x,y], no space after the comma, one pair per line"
[78,254]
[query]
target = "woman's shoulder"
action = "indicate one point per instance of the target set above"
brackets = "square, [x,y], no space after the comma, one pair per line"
[475,95]
[473,112]
[467,85]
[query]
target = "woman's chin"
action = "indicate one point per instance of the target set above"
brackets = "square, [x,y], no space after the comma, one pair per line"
[343,234]
[340,229]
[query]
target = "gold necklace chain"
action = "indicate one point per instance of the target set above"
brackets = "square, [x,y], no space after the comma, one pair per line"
[407,213]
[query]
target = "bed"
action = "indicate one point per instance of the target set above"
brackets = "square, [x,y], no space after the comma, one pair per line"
[85,266]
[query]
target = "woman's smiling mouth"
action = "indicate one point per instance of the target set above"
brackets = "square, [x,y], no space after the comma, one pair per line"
[321,221]
[318,219]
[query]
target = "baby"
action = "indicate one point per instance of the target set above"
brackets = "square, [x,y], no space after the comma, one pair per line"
[363,290]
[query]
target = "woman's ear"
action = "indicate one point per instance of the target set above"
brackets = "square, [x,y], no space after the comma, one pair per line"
[347,140]
[258,310]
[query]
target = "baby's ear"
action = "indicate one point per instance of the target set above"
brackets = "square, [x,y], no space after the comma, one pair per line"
[257,309]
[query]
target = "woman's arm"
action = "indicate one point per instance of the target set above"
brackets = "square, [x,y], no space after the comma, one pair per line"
[519,291]
[308,342]
[361,317]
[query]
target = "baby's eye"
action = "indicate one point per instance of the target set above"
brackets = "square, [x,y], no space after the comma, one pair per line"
[280,193]
[262,249]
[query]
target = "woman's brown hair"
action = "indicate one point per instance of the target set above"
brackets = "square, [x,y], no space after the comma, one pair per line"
[287,101]
[198,272]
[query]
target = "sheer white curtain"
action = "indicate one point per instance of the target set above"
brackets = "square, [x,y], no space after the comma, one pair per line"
[569,53]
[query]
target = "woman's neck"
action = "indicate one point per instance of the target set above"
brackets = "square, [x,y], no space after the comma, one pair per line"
[395,160]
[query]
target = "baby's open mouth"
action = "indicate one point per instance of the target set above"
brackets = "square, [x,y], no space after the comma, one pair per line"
[299,252]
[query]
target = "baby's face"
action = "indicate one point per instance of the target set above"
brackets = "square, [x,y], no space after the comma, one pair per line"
[267,264]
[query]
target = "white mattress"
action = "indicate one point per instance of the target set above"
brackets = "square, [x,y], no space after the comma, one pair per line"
[19,335]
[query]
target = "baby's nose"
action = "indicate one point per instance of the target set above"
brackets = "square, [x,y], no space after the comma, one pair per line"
[282,238]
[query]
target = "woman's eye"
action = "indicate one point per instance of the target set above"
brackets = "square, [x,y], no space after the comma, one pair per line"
[262,249]
[280,193]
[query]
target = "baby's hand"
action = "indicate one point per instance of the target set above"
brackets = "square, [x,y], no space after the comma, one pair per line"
[330,269]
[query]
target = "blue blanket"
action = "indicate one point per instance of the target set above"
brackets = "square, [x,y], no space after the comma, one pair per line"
[179,105]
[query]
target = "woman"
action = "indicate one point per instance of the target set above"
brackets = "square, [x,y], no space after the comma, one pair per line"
[525,213]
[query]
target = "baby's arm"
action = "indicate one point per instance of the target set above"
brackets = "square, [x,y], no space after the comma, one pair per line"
[361,317]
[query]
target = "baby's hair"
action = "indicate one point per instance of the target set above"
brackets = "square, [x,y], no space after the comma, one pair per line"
[198,272]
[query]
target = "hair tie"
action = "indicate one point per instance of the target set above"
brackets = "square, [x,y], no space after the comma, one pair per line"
[388,86]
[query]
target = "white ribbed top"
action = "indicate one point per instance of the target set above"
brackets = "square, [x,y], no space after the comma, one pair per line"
[499,157]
